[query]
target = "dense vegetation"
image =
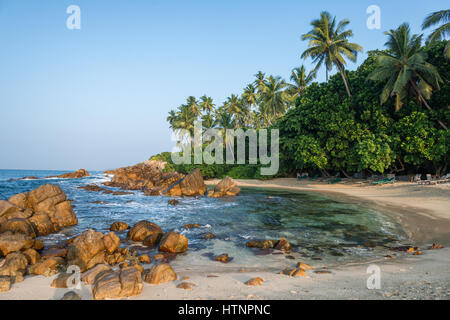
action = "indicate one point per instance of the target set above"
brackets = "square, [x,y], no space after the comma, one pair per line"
[390,115]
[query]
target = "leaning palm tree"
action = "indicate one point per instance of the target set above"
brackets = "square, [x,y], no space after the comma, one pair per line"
[329,45]
[405,69]
[443,31]
[301,79]
[274,99]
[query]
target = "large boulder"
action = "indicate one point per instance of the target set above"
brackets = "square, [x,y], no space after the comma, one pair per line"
[19,226]
[15,266]
[160,273]
[89,276]
[226,187]
[144,229]
[87,250]
[174,243]
[45,198]
[19,200]
[7,209]
[32,256]
[111,242]
[14,242]
[191,185]
[117,284]
[46,267]
[43,224]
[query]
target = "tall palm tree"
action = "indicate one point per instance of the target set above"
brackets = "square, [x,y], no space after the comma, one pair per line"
[260,81]
[172,119]
[194,105]
[206,104]
[329,45]
[250,99]
[443,31]
[186,118]
[301,79]
[274,98]
[404,68]
[234,108]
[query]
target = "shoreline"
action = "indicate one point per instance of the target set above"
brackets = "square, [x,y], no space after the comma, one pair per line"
[421,210]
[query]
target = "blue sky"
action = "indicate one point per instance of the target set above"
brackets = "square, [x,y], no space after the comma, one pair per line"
[97,98]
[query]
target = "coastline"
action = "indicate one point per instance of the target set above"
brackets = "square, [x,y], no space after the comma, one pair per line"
[421,210]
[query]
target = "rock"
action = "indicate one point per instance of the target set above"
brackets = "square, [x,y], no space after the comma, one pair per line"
[265,244]
[186,286]
[226,187]
[61,281]
[283,245]
[92,188]
[145,259]
[113,285]
[142,230]
[174,243]
[38,245]
[10,242]
[19,200]
[71,295]
[152,240]
[224,258]
[19,226]
[173,202]
[81,173]
[303,266]
[43,225]
[89,276]
[45,198]
[7,209]
[54,252]
[15,266]
[119,226]
[32,256]
[208,236]
[46,267]
[191,226]
[87,250]
[160,273]
[64,215]
[436,246]
[114,259]
[5,283]
[191,185]
[299,273]
[112,242]
[255,282]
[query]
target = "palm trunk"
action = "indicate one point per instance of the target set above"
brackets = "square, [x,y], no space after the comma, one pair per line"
[344,79]
[426,103]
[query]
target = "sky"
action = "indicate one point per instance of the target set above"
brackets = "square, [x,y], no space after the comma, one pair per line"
[98,97]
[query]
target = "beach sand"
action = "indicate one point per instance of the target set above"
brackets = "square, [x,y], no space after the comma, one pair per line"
[423,211]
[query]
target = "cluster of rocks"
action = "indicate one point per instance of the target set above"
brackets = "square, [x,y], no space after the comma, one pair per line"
[282,245]
[95,188]
[226,187]
[81,173]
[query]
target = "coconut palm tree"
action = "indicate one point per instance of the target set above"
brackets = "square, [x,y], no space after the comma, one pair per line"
[194,105]
[260,81]
[442,32]
[301,79]
[234,107]
[329,45]
[172,119]
[186,118]
[206,104]
[274,99]
[404,68]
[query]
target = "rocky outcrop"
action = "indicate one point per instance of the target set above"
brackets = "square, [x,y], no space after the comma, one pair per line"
[225,188]
[191,185]
[87,250]
[81,173]
[145,231]
[160,273]
[173,243]
[112,285]
[40,212]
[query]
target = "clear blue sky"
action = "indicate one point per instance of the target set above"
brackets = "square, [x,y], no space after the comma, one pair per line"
[97,98]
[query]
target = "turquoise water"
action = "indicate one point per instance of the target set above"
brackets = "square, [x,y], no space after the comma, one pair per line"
[317,226]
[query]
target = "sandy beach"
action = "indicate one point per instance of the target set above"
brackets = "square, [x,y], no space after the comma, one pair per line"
[423,211]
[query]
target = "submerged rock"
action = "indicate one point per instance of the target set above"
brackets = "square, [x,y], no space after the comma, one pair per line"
[173,202]
[226,187]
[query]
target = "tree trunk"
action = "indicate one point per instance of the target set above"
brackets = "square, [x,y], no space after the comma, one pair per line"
[344,79]
[426,104]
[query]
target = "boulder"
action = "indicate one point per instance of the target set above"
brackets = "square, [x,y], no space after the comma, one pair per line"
[226,187]
[32,256]
[255,282]
[5,283]
[43,224]
[303,266]
[71,295]
[283,245]
[63,216]
[191,226]
[173,202]
[38,245]
[7,209]
[160,273]
[191,185]
[145,259]
[19,226]
[174,243]
[60,282]
[119,226]
[112,285]
[19,200]
[111,242]
[10,242]
[264,244]
[186,286]
[142,230]
[87,250]
[45,198]
[54,252]
[224,258]
[89,276]
[15,266]
[46,267]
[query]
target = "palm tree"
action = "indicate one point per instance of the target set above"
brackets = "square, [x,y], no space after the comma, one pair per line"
[329,45]
[186,118]
[250,99]
[234,107]
[439,17]
[172,119]
[300,80]
[208,121]
[260,81]
[193,104]
[274,99]
[404,68]
[206,104]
